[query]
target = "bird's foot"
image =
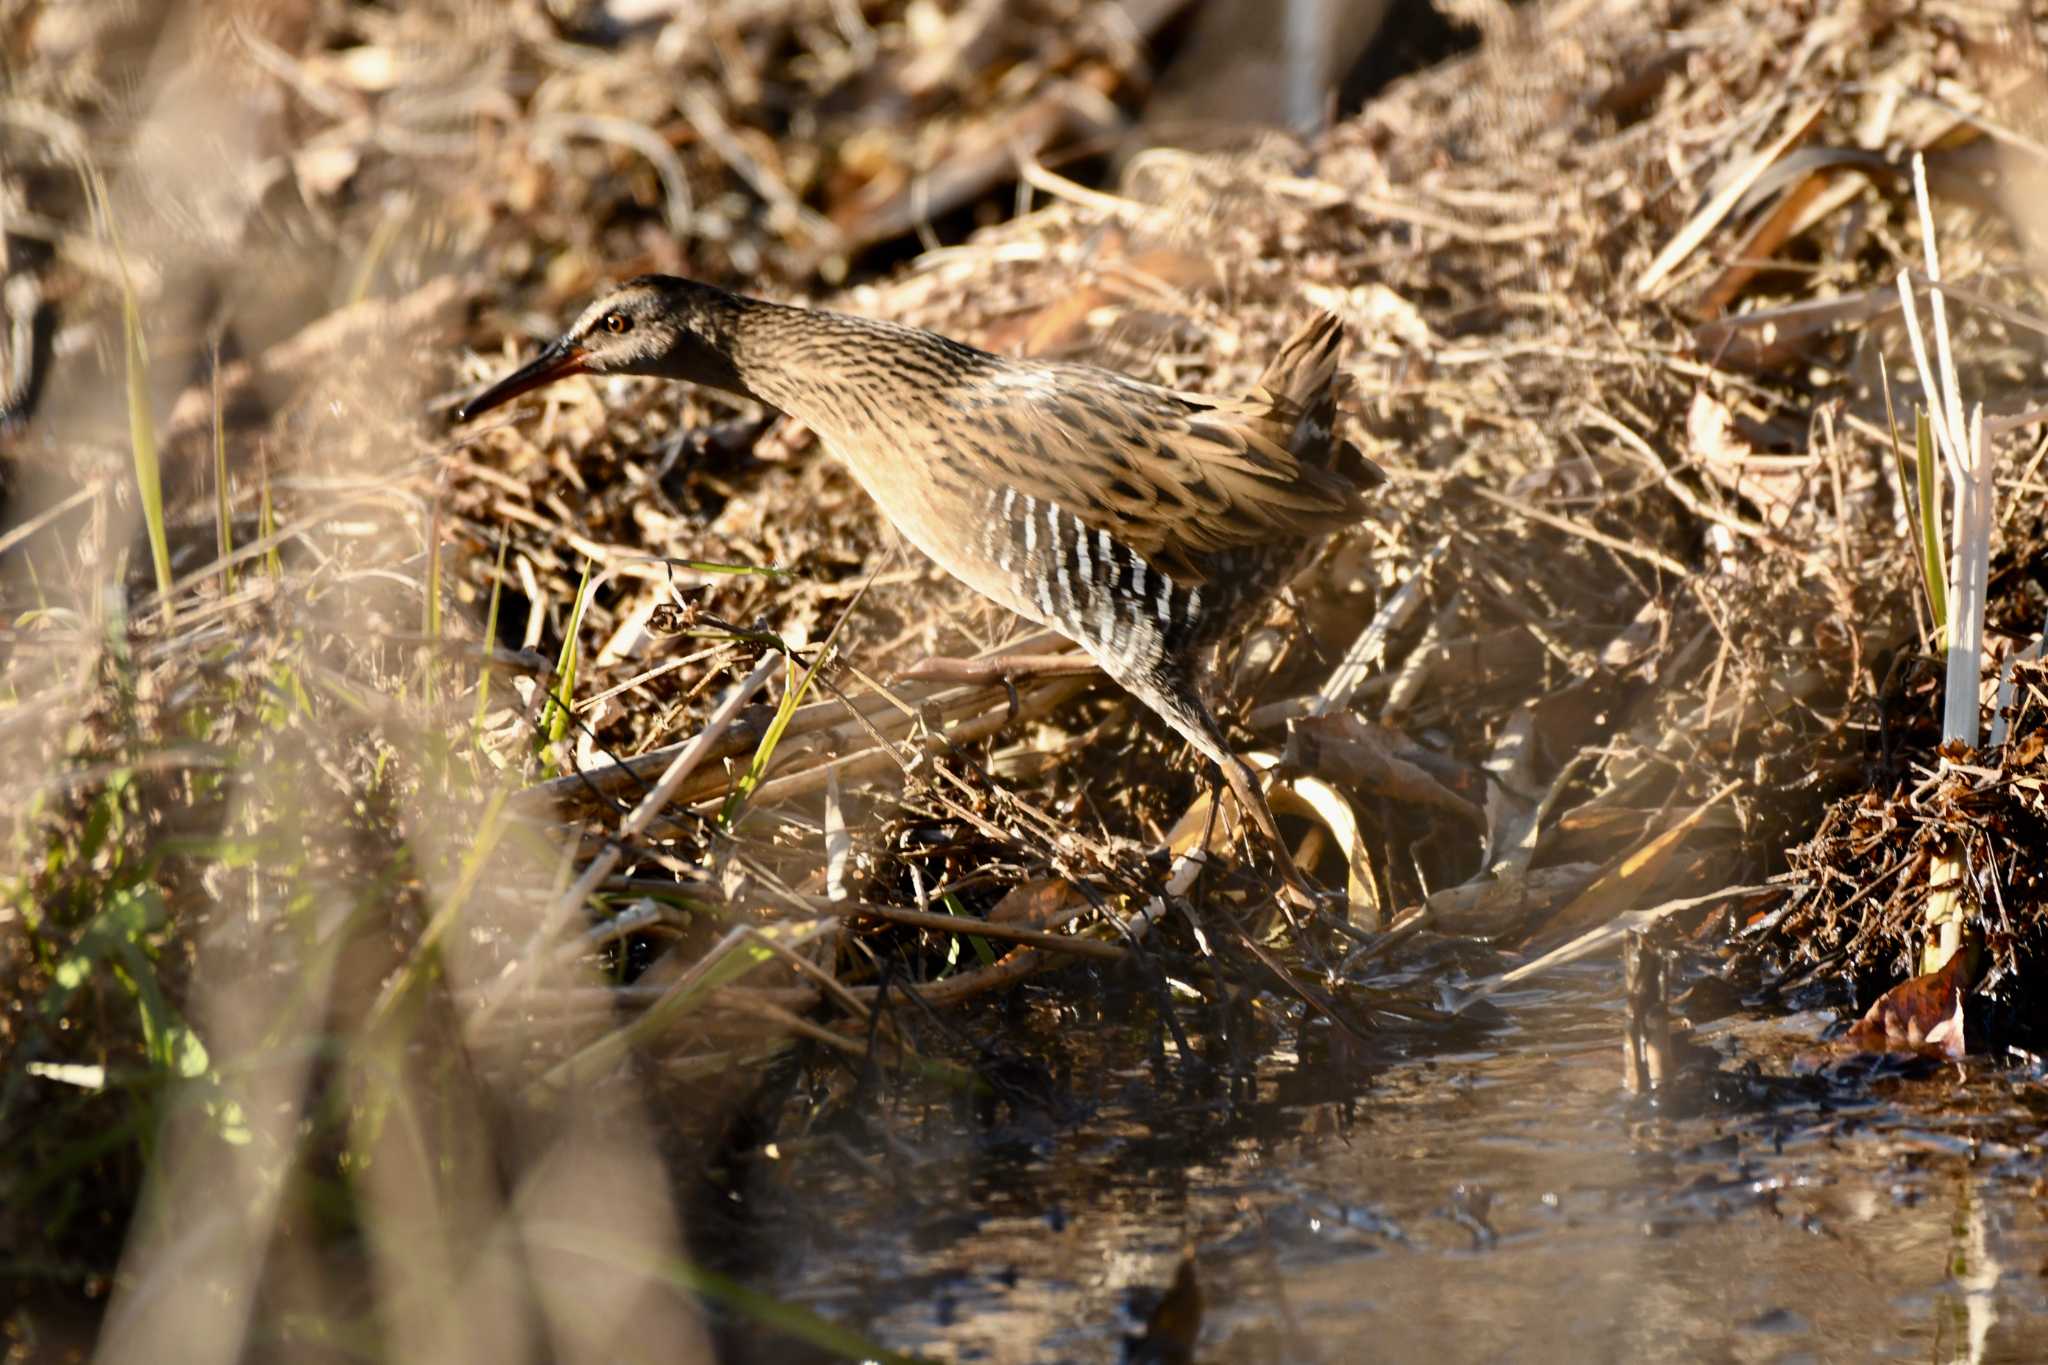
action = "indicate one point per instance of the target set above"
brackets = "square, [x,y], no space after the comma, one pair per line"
[1297,890]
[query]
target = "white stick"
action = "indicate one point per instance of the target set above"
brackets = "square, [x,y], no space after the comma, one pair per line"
[1969,470]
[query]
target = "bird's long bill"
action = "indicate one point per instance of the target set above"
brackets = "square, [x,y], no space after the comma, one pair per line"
[558,361]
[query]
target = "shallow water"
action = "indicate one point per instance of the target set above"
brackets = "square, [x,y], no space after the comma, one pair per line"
[1505,1201]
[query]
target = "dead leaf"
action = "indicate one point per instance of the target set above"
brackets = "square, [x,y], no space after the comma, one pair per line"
[1041,903]
[1629,880]
[1924,1014]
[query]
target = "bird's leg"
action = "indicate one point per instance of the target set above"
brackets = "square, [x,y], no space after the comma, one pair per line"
[1216,781]
[1004,668]
[1244,782]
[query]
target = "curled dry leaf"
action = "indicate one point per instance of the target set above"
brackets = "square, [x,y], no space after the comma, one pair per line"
[1323,803]
[1924,1014]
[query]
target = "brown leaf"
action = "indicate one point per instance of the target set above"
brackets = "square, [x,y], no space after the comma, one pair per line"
[1627,884]
[1924,1014]
[1042,903]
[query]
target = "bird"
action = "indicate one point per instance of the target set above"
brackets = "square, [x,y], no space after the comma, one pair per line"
[1143,523]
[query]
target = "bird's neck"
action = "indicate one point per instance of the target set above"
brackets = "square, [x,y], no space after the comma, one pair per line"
[834,370]
[770,356]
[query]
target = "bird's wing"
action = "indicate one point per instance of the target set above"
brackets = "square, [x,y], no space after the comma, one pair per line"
[1176,476]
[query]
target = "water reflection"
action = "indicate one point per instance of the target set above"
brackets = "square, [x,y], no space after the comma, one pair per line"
[1499,1202]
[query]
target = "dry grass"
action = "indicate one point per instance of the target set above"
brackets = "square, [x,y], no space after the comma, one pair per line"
[400,997]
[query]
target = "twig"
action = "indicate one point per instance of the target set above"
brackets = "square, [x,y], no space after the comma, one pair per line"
[1584,532]
[1715,209]
[1371,645]
[630,828]
[37,522]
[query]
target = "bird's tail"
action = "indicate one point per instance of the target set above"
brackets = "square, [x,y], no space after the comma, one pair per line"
[1301,379]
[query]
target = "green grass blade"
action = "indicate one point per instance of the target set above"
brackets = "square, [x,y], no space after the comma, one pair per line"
[554,718]
[719,567]
[142,442]
[792,697]
[764,752]
[982,947]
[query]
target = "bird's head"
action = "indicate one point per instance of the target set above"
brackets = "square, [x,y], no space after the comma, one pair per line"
[653,325]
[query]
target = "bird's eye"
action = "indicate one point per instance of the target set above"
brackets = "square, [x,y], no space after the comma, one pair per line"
[617,323]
